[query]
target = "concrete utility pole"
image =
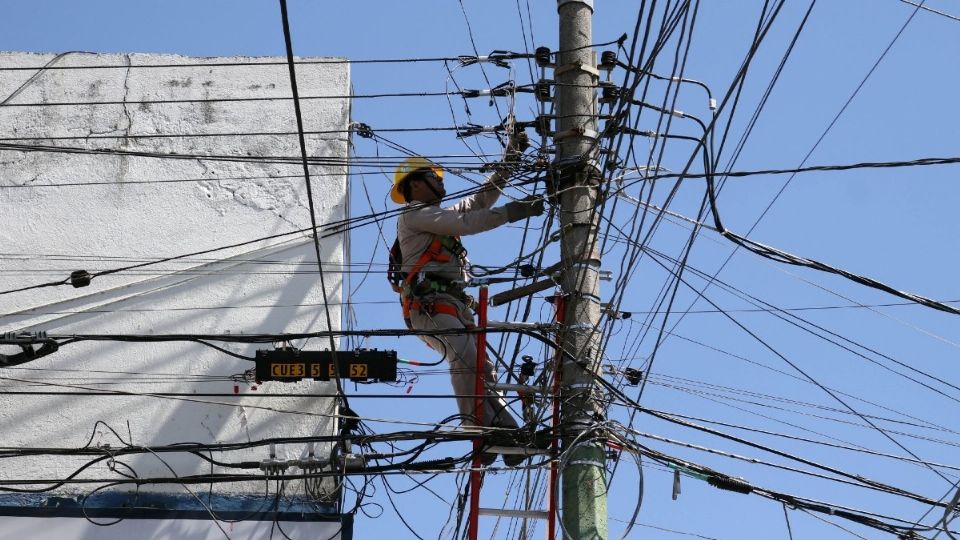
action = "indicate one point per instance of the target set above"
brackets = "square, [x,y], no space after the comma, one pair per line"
[584,489]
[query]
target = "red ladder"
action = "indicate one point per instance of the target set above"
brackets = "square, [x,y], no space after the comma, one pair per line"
[477,467]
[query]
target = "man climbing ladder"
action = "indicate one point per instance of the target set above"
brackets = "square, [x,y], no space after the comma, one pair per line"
[429,269]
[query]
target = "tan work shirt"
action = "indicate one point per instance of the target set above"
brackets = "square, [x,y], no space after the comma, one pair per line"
[420,223]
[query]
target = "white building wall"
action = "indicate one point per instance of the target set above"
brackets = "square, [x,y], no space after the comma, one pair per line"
[113,220]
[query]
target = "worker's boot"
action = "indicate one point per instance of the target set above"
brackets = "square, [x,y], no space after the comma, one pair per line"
[514,460]
[540,439]
[487,459]
[515,438]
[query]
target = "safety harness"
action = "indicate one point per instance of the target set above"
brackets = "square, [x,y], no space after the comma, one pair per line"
[414,285]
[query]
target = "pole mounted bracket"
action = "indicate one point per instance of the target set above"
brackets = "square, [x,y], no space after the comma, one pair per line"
[576,66]
[585,166]
[579,131]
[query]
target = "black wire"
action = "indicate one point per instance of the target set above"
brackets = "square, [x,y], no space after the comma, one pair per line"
[325,61]
[799,322]
[7,140]
[839,472]
[306,177]
[334,228]
[797,368]
[465,93]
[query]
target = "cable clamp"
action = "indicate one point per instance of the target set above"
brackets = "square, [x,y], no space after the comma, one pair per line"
[26,341]
[17,338]
[466,60]
[576,132]
[273,466]
[640,132]
[501,90]
[353,462]
[587,297]
[362,130]
[592,264]
[469,130]
[583,327]
[633,376]
[498,58]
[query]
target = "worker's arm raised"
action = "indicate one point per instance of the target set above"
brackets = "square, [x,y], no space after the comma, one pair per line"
[492,188]
[448,221]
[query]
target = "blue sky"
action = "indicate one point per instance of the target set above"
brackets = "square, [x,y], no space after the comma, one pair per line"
[894,225]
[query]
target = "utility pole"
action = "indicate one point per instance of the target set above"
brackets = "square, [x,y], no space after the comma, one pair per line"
[583,482]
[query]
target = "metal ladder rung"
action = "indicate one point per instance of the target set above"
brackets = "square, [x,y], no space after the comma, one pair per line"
[529,514]
[515,450]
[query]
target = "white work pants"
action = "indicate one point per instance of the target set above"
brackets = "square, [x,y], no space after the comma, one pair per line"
[460,352]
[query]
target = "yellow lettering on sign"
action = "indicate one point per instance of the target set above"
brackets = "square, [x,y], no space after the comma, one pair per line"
[331,370]
[287,371]
[315,371]
[358,371]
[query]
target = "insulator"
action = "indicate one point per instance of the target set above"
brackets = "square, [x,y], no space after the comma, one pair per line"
[542,55]
[542,90]
[610,94]
[542,126]
[608,60]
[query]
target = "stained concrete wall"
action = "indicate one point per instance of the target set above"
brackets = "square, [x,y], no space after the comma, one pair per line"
[114,219]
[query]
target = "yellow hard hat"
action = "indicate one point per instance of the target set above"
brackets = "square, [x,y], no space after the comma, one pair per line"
[408,166]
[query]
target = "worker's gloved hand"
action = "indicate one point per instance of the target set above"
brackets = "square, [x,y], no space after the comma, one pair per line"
[524,208]
[516,146]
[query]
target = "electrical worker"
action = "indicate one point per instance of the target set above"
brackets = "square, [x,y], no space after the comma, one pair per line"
[433,269]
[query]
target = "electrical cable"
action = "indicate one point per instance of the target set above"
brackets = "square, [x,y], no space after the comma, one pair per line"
[310,201]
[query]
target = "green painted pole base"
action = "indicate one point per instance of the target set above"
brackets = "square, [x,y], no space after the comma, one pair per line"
[584,489]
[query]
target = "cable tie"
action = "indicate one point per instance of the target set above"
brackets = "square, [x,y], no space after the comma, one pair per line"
[586,463]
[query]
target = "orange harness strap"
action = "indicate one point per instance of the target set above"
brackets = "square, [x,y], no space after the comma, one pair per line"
[433,253]
[409,303]
[431,308]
